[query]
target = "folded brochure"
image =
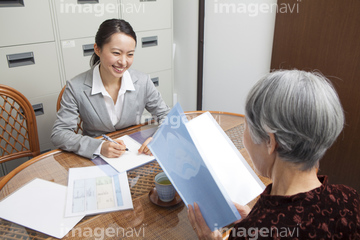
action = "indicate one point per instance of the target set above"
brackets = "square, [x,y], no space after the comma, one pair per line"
[204,166]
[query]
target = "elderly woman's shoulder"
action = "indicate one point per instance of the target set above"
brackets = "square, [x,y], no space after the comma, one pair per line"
[344,190]
[343,198]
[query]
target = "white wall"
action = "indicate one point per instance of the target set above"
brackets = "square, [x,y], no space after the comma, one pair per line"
[238,45]
[185,62]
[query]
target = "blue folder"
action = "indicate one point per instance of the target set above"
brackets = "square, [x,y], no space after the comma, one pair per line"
[178,156]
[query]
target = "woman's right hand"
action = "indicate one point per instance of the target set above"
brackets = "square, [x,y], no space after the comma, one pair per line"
[113,150]
[243,210]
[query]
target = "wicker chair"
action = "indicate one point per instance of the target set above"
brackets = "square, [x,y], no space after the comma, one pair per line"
[18,134]
[78,129]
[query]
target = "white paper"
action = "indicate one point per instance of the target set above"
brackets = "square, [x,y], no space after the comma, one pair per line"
[97,189]
[130,159]
[39,205]
[224,160]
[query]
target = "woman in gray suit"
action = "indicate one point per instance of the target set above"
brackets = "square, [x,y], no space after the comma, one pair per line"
[110,96]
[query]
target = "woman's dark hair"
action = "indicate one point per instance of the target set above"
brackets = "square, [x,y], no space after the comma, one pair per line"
[106,30]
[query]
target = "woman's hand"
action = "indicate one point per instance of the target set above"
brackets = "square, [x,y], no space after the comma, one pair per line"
[243,210]
[144,149]
[113,150]
[199,225]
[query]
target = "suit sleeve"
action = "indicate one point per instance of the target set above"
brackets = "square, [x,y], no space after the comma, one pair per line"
[63,135]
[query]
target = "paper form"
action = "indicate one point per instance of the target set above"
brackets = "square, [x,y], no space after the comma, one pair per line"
[97,189]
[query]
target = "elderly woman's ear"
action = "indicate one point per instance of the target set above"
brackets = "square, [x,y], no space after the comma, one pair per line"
[271,143]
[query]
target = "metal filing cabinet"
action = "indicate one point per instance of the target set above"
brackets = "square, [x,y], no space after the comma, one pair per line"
[153,51]
[32,68]
[78,22]
[145,15]
[27,68]
[25,22]
[152,22]
[46,42]
[77,54]
[29,61]
[79,19]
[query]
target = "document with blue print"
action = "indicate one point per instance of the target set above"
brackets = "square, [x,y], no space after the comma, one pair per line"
[204,166]
[97,189]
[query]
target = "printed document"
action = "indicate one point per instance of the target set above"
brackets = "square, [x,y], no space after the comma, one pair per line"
[97,189]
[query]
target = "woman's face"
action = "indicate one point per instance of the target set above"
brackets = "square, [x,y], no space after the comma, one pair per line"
[116,56]
[258,154]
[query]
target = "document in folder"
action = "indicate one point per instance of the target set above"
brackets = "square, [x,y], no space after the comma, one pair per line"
[204,166]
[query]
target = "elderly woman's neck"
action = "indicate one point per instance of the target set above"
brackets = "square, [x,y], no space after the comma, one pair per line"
[289,180]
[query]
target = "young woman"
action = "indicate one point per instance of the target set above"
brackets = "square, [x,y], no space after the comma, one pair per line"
[110,96]
[292,118]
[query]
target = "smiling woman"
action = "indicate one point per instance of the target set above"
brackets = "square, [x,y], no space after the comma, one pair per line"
[109,97]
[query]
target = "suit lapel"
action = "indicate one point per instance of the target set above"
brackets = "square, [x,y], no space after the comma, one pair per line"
[129,105]
[98,104]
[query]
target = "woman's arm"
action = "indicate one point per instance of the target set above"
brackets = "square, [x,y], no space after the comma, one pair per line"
[63,135]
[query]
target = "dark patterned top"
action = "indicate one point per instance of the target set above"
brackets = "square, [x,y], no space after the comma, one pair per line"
[327,212]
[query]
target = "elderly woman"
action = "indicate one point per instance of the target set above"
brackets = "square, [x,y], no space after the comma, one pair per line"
[292,118]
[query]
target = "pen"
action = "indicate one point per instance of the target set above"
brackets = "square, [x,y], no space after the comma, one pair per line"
[111,140]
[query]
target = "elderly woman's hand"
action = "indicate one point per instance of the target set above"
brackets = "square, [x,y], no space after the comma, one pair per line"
[199,225]
[243,210]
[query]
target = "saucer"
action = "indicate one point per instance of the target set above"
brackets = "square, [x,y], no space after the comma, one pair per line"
[154,198]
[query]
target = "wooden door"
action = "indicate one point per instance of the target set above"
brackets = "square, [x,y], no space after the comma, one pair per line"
[324,35]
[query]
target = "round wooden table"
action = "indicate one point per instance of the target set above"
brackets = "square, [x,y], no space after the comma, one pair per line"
[146,221]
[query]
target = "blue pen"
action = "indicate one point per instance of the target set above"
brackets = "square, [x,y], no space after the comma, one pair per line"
[111,140]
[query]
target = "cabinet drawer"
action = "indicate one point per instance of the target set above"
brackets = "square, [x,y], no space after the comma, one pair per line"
[79,19]
[24,22]
[77,51]
[145,15]
[46,119]
[153,51]
[31,69]
[163,82]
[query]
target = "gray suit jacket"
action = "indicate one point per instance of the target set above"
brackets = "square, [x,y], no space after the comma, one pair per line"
[77,99]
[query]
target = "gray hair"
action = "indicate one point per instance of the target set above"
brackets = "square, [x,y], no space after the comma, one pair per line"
[303,111]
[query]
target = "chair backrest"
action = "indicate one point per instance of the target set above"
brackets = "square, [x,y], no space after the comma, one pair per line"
[78,129]
[18,135]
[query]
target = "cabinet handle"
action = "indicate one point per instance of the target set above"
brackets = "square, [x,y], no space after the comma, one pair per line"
[88,49]
[149,41]
[38,110]
[155,80]
[20,59]
[87,1]
[12,3]
[147,0]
